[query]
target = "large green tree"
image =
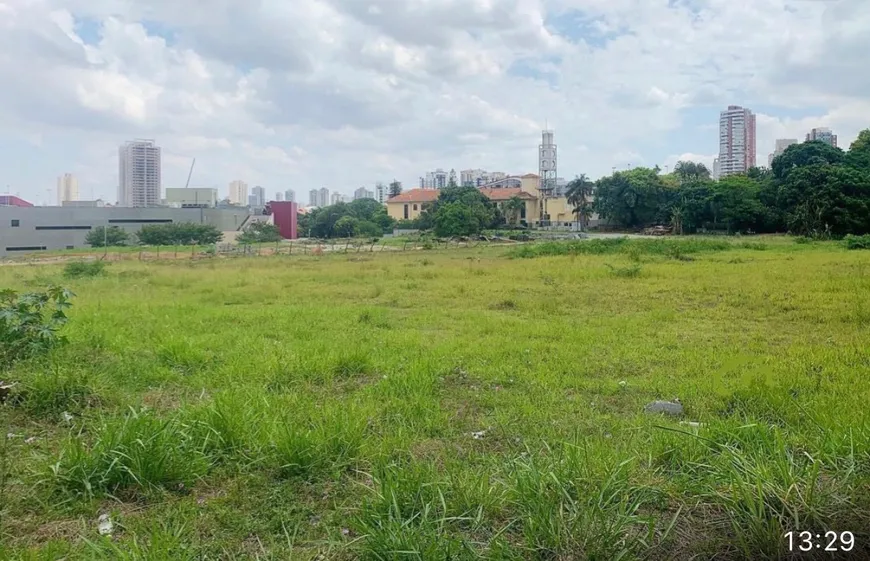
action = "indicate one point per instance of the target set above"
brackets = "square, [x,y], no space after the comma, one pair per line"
[805,154]
[102,236]
[462,211]
[823,198]
[859,152]
[631,198]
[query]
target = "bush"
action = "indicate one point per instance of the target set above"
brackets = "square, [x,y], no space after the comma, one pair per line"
[186,233]
[857,242]
[79,269]
[29,323]
[260,232]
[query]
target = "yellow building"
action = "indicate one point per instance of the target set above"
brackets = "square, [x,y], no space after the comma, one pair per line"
[410,204]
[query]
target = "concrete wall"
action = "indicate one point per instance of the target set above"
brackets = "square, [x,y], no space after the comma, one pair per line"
[55,228]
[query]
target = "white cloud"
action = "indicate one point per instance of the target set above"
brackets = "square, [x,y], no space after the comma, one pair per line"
[339,93]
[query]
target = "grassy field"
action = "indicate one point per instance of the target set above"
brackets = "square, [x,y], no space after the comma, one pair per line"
[462,404]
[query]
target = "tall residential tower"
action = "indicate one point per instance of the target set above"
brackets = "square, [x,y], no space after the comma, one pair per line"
[139,170]
[67,188]
[736,140]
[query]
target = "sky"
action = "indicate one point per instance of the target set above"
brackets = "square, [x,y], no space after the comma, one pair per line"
[303,94]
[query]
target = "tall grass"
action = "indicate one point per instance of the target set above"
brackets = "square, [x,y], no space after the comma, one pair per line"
[620,245]
[380,409]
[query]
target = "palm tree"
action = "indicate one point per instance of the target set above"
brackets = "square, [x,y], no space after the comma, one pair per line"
[579,192]
[514,207]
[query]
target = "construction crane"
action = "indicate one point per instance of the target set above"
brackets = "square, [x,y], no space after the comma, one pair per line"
[193,163]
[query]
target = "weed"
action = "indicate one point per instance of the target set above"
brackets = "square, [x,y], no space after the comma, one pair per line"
[505,305]
[84,269]
[51,393]
[630,272]
[857,242]
[139,453]
[352,364]
[29,323]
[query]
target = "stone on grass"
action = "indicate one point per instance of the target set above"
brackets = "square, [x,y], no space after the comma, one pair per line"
[666,407]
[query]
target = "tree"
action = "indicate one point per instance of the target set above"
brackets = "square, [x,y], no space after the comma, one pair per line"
[632,198]
[822,198]
[461,211]
[736,201]
[804,154]
[513,209]
[685,170]
[395,188]
[260,232]
[859,152]
[179,233]
[579,191]
[112,236]
[345,227]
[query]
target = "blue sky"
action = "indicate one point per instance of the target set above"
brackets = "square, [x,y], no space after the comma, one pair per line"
[344,93]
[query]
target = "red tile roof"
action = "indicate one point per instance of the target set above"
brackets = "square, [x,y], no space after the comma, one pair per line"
[415,196]
[430,195]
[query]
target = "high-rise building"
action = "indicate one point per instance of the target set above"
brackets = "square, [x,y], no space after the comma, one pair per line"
[67,189]
[323,197]
[716,170]
[823,134]
[259,195]
[781,145]
[437,179]
[252,201]
[337,198]
[736,140]
[363,193]
[238,193]
[140,181]
[279,196]
[381,193]
[290,195]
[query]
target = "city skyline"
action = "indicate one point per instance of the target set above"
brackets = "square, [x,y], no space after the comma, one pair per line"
[476,97]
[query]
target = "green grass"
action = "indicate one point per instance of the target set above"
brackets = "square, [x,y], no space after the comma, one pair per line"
[472,403]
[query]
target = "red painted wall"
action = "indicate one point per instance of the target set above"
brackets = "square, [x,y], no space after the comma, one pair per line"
[284,215]
[12,200]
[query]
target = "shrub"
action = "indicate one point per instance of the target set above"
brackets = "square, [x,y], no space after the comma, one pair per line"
[111,236]
[79,269]
[629,272]
[260,232]
[857,242]
[29,323]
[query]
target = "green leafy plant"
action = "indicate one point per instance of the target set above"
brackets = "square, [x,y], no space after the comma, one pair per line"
[29,323]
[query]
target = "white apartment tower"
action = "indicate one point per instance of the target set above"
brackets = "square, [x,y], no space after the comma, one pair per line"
[67,188]
[323,197]
[140,181]
[290,195]
[823,134]
[381,193]
[736,140]
[238,193]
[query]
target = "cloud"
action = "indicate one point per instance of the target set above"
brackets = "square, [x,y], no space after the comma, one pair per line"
[339,93]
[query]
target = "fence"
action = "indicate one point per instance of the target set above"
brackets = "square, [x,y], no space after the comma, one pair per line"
[307,247]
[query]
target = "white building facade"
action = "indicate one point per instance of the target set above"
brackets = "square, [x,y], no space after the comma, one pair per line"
[736,140]
[140,176]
